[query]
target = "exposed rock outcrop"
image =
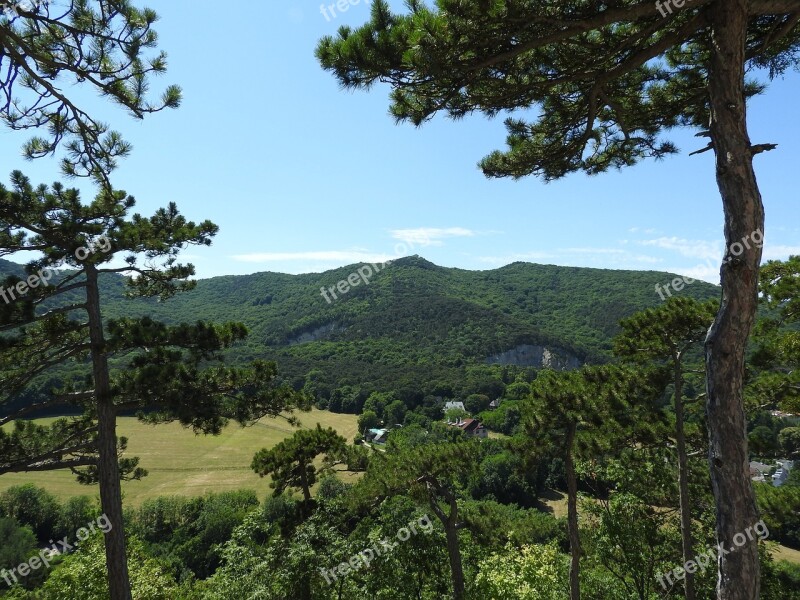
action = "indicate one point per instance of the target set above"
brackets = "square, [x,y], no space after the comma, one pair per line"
[527,355]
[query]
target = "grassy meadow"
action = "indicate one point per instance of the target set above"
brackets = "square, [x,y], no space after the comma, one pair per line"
[182,463]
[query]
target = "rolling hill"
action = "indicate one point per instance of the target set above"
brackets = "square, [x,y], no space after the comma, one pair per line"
[415,324]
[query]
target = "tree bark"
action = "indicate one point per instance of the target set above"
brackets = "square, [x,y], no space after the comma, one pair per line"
[572,519]
[304,482]
[738,570]
[108,465]
[451,526]
[683,480]
[454,552]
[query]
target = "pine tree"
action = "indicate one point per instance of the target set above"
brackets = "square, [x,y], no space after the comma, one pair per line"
[666,335]
[101,45]
[290,462]
[53,318]
[580,414]
[602,82]
[429,473]
[777,356]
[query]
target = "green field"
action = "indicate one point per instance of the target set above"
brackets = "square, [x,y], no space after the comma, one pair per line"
[182,463]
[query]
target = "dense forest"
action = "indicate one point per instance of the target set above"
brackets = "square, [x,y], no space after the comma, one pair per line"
[413,313]
[530,432]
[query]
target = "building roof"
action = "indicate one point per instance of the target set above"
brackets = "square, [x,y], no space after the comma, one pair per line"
[469,425]
[454,404]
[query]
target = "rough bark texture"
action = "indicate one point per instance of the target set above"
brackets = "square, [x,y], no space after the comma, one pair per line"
[738,576]
[451,526]
[304,482]
[454,552]
[683,481]
[572,520]
[108,466]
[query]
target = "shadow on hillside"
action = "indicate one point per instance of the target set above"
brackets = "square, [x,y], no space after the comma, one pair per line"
[553,502]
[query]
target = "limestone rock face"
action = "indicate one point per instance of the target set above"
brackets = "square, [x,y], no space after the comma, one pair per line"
[527,355]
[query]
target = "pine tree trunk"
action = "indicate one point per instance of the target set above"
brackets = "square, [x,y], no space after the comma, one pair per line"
[454,552]
[304,483]
[572,520]
[683,481]
[108,466]
[738,576]
[451,525]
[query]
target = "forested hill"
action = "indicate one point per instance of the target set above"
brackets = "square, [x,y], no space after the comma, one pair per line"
[415,322]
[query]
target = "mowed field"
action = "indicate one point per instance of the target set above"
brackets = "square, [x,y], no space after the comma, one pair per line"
[182,463]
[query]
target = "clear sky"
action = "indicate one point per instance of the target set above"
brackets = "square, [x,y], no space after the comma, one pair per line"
[303,177]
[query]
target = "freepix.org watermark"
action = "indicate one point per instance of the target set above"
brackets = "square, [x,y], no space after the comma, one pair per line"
[710,556]
[61,547]
[43,277]
[665,8]
[342,5]
[365,273]
[736,249]
[382,548]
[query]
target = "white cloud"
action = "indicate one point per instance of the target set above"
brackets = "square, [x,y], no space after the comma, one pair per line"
[708,272]
[690,248]
[780,252]
[430,236]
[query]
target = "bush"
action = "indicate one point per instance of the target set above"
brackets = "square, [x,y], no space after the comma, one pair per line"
[74,514]
[32,506]
[17,545]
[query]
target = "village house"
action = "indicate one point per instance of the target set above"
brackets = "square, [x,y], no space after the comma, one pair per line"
[472,428]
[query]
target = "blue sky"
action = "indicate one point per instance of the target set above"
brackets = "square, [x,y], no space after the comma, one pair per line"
[304,177]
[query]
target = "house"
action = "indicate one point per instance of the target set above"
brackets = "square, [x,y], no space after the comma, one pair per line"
[779,477]
[759,471]
[376,436]
[494,404]
[472,428]
[782,474]
[451,405]
[791,418]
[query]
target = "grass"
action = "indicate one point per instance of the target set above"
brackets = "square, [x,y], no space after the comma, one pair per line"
[787,554]
[182,463]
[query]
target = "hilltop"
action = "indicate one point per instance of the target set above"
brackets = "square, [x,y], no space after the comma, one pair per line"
[415,324]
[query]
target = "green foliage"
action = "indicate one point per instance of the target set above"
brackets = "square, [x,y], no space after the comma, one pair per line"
[105,51]
[167,372]
[368,420]
[413,314]
[33,506]
[503,477]
[188,533]
[632,540]
[537,572]
[780,508]
[82,575]
[777,335]
[789,440]
[290,462]
[763,441]
[503,419]
[578,99]
[18,546]
[475,403]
